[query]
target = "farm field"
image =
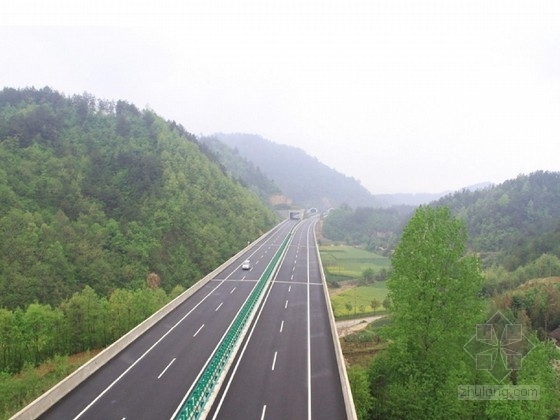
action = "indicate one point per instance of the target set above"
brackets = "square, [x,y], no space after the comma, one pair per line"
[342,262]
[344,267]
[357,300]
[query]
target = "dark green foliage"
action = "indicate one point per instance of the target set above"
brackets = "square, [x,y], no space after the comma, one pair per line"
[515,222]
[363,401]
[514,228]
[102,194]
[377,228]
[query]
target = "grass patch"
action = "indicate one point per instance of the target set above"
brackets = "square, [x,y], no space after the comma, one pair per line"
[343,262]
[357,301]
[344,266]
[16,391]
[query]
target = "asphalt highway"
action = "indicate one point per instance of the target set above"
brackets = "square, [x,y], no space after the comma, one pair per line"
[286,367]
[150,377]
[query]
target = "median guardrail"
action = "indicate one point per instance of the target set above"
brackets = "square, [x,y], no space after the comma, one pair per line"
[201,393]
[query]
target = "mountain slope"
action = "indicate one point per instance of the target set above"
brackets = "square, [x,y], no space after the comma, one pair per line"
[303,178]
[509,225]
[516,221]
[99,193]
[241,169]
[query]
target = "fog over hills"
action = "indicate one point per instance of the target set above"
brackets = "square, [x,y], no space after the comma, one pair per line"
[303,178]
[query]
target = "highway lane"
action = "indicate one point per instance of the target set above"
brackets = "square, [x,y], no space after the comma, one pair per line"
[287,367]
[149,378]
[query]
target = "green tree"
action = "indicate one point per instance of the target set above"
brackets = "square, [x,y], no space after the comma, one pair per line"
[538,371]
[10,342]
[40,326]
[368,275]
[357,376]
[386,303]
[434,291]
[84,313]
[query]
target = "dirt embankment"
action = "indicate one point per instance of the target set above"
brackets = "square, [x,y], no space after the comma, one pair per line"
[350,326]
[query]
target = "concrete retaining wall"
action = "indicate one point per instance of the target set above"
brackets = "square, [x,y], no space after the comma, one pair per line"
[346,391]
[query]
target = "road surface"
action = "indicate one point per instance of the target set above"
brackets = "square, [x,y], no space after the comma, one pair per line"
[287,367]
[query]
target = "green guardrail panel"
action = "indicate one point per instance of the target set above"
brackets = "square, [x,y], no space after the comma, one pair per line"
[196,401]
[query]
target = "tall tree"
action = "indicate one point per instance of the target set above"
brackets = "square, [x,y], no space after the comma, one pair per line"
[434,291]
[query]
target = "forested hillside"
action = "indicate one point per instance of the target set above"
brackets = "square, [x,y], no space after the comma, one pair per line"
[100,193]
[303,178]
[378,229]
[512,223]
[241,169]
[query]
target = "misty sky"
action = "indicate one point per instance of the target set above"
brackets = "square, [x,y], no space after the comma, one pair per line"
[405,96]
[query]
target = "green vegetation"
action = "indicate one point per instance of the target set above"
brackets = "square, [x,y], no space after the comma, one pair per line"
[85,321]
[342,262]
[361,274]
[376,229]
[514,223]
[82,323]
[240,168]
[434,293]
[16,391]
[509,225]
[435,305]
[106,213]
[359,300]
[535,303]
[102,194]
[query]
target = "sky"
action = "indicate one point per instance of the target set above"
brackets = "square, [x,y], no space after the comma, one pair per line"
[406,96]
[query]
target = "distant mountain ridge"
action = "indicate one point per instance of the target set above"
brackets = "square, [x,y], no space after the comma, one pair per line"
[416,199]
[241,169]
[308,182]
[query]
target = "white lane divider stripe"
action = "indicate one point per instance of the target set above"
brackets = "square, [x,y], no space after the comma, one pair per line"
[197,331]
[167,367]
